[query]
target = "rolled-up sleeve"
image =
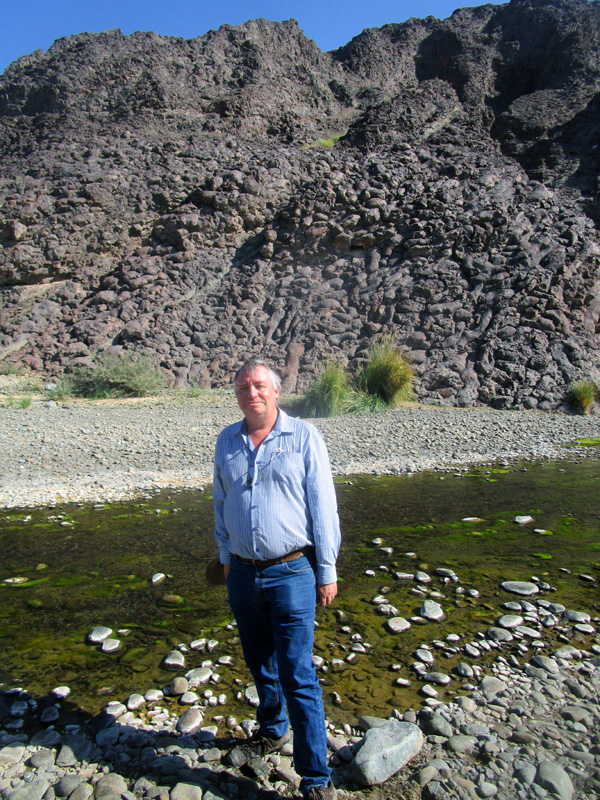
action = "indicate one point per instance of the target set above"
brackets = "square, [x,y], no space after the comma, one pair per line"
[322,504]
[221,535]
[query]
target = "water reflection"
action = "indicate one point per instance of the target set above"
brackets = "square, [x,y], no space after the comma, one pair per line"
[92,566]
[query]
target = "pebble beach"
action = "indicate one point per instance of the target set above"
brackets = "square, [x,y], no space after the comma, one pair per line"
[88,452]
[526,726]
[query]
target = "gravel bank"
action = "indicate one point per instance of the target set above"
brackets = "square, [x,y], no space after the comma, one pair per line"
[95,452]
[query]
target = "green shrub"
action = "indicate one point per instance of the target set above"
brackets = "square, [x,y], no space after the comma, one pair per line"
[127,375]
[387,375]
[329,394]
[583,395]
[58,390]
[24,402]
[11,369]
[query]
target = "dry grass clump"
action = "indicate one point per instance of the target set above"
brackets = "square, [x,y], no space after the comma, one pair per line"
[583,395]
[385,380]
[127,375]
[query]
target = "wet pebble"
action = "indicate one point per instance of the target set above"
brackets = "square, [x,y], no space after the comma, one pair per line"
[398,624]
[99,634]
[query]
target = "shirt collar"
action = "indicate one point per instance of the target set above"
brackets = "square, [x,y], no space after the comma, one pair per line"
[283,424]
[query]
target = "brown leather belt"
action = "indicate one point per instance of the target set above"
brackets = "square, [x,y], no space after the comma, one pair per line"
[254,562]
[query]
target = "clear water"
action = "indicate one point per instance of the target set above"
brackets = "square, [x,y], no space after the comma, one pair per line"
[88,566]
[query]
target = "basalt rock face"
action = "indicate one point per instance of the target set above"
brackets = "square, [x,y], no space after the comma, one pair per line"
[176,198]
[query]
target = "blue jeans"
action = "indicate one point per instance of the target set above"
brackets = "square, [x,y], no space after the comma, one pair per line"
[274,608]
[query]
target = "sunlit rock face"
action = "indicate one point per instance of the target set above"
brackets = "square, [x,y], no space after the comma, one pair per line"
[244,192]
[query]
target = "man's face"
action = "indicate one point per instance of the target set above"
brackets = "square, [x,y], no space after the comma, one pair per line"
[256,395]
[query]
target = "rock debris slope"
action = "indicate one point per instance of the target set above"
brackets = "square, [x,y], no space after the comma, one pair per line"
[182,198]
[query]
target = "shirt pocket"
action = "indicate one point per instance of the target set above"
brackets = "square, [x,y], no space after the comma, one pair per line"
[287,467]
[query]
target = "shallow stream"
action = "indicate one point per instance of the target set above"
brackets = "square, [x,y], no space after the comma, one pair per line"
[83,566]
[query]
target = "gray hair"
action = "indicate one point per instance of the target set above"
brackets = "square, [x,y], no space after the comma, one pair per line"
[251,366]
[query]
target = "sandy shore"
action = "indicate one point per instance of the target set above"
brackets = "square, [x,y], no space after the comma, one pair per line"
[92,452]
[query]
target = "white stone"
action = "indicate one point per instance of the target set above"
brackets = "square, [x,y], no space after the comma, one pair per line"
[135,702]
[531,633]
[524,588]
[510,621]
[174,660]
[99,634]
[577,616]
[432,611]
[444,572]
[437,677]
[115,708]
[188,698]
[546,663]
[424,655]
[582,627]
[190,721]
[500,634]
[397,624]
[251,696]
[110,645]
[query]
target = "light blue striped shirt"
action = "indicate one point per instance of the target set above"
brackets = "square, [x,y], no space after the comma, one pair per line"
[277,499]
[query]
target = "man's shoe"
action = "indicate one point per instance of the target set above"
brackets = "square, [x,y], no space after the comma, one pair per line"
[328,792]
[257,745]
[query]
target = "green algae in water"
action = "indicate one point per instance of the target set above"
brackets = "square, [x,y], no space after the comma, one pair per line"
[99,573]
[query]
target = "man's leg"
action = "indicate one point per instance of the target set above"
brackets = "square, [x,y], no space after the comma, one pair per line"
[291,592]
[256,636]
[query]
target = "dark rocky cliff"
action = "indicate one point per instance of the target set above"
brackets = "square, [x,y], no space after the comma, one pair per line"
[175,197]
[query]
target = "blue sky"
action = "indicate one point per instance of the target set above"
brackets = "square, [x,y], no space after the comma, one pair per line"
[31,24]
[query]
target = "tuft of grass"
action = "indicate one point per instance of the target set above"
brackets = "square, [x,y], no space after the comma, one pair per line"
[328,395]
[58,390]
[388,374]
[583,395]
[328,143]
[17,402]
[363,403]
[24,402]
[11,369]
[127,375]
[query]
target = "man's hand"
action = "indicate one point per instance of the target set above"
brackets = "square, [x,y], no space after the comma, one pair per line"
[325,594]
[226,570]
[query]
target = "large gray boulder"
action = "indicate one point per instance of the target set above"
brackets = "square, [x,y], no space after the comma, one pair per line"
[552,776]
[384,751]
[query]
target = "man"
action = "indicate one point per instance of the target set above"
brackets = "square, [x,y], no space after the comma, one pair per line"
[277,528]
